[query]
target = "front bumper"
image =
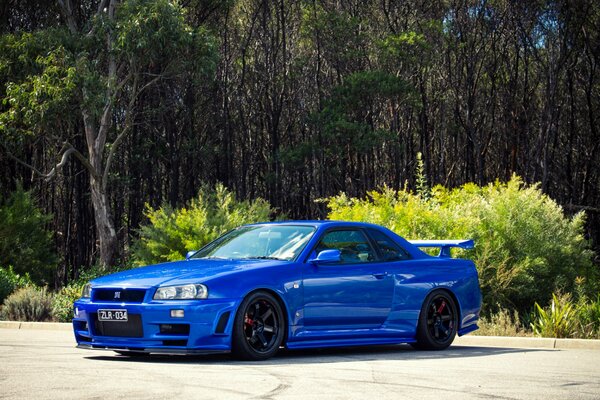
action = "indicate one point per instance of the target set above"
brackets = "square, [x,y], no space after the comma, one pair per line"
[205,327]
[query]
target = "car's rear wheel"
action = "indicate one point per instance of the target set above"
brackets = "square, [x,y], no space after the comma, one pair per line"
[259,327]
[438,321]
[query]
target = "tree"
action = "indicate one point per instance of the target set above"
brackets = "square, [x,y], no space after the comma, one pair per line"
[25,244]
[91,67]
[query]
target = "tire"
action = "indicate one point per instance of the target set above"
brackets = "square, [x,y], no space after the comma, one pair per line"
[258,328]
[438,322]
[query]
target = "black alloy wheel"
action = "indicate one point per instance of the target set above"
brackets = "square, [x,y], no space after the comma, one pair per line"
[438,321]
[259,327]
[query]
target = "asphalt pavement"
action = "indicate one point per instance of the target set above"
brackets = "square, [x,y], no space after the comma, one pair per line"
[44,364]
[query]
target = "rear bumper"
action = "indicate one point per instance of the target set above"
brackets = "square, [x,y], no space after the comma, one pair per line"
[205,327]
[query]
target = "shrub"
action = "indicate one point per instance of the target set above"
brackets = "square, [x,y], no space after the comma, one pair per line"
[62,303]
[588,318]
[526,248]
[557,321]
[11,281]
[172,233]
[502,323]
[28,304]
[24,242]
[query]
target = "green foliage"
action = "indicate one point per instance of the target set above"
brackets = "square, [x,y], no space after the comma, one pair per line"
[588,318]
[41,79]
[51,73]
[24,243]
[151,32]
[558,321]
[62,303]
[526,247]
[11,281]
[421,178]
[28,304]
[345,42]
[172,233]
[347,117]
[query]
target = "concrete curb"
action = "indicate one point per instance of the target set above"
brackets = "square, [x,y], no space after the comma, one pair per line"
[48,326]
[528,342]
[468,340]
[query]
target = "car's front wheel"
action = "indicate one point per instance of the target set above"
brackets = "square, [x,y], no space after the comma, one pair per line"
[259,327]
[438,321]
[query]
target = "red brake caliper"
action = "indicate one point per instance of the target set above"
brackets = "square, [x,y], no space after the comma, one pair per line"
[441,307]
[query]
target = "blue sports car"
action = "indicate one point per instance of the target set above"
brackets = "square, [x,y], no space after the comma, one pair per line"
[298,284]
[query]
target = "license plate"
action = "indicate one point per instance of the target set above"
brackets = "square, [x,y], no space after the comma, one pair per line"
[112,315]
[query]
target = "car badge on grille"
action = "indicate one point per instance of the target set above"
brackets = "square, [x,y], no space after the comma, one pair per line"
[117,295]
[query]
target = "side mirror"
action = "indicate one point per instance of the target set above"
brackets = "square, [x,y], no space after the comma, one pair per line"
[327,257]
[190,254]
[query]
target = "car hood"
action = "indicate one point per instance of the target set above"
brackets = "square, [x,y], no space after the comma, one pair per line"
[179,272]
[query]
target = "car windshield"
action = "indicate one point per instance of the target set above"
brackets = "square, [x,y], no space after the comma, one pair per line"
[278,242]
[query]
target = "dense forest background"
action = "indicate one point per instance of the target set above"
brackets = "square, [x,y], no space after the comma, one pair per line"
[109,105]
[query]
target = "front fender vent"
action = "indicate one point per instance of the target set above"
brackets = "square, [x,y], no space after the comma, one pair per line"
[222,324]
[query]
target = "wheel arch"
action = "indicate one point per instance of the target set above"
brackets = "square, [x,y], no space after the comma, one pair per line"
[454,298]
[282,304]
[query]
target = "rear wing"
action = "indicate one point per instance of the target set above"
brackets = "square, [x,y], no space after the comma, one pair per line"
[445,245]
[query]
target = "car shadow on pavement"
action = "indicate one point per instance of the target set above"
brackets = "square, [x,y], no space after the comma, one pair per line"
[331,355]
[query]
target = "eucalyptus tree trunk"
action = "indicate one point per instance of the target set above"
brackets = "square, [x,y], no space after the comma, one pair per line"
[96,132]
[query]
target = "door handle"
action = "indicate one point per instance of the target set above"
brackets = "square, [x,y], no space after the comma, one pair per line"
[380,275]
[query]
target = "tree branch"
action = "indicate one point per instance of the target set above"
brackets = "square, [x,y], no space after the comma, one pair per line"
[127,127]
[66,150]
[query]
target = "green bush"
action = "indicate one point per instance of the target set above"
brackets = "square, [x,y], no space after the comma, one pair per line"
[24,242]
[172,233]
[11,281]
[557,321]
[28,304]
[526,248]
[62,303]
[589,319]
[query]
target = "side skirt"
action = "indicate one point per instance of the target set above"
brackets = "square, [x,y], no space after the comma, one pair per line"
[307,344]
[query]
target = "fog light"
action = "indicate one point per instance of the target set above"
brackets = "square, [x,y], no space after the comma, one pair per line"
[177,313]
[76,312]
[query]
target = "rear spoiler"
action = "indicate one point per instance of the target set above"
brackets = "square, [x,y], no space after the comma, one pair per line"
[445,245]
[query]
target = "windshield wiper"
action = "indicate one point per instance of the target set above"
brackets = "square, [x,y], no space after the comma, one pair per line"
[213,258]
[262,258]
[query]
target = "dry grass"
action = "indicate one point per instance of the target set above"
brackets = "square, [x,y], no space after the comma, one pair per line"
[502,324]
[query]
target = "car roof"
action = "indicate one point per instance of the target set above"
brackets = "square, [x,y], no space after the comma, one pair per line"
[317,223]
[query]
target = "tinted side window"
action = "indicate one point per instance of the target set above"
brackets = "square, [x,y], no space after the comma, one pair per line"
[353,245]
[390,251]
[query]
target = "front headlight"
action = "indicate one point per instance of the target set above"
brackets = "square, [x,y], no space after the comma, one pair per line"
[86,293]
[183,292]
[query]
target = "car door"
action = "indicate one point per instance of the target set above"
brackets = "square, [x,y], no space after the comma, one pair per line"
[355,293]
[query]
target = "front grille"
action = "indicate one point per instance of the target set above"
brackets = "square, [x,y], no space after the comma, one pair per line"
[131,328]
[120,295]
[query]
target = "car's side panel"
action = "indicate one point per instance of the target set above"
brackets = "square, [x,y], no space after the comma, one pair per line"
[415,279]
[346,296]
